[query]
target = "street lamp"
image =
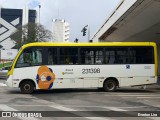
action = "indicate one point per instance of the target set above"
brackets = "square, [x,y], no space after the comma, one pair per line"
[39,13]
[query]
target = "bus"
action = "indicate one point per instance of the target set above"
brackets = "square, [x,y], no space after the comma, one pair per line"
[107,65]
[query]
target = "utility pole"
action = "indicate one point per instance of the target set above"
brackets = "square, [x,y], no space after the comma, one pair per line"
[88,33]
[39,13]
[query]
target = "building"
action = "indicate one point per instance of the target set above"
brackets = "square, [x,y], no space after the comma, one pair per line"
[60,30]
[132,20]
[10,20]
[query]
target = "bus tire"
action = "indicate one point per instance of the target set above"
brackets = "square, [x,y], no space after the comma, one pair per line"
[27,87]
[109,85]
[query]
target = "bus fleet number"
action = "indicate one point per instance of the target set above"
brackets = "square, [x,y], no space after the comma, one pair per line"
[92,70]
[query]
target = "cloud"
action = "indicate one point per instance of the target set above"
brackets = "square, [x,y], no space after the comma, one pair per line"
[33,4]
[77,12]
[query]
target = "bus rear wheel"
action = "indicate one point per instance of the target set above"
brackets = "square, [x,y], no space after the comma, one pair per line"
[27,87]
[109,85]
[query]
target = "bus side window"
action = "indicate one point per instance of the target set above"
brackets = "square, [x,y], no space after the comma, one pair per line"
[111,57]
[141,55]
[52,56]
[91,55]
[87,56]
[68,55]
[116,55]
[36,57]
[99,56]
[132,55]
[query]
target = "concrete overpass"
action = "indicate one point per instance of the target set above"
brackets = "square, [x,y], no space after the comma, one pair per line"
[132,20]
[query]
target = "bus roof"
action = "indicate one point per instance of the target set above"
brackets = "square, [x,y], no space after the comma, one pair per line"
[90,44]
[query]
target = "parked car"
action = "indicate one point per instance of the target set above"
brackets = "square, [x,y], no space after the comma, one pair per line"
[3,72]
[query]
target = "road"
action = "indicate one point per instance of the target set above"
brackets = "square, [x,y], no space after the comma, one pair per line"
[75,102]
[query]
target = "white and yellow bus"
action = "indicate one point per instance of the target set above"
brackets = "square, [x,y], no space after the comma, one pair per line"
[83,65]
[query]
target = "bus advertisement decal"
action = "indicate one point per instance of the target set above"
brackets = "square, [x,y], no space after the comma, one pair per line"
[45,77]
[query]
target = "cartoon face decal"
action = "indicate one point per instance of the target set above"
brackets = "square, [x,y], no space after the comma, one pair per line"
[45,77]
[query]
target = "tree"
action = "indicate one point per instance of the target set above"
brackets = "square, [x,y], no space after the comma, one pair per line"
[32,32]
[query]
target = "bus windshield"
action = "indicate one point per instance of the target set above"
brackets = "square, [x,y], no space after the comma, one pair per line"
[30,57]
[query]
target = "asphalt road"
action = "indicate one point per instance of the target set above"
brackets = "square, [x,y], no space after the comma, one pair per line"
[73,103]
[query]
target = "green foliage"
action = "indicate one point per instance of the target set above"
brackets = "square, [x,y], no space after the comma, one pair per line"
[5,64]
[32,32]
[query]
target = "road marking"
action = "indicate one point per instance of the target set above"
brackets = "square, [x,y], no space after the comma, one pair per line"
[115,109]
[98,118]
[63,108]
[134,107]
[6,108]
[132,95]
[3,84]
[75,106]
[149,97]
[138,95]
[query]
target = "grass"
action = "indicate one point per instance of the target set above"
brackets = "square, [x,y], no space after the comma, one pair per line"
[5,64]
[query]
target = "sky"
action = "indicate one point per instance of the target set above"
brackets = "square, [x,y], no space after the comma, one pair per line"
[78,13]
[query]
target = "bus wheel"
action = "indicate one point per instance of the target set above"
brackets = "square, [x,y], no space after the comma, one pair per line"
[109,85]
[27,87]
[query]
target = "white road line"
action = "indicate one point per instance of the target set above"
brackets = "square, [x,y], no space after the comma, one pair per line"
[149,97]
[7,108]
[115,109]
[133,107]
[106,106]
[44,101]
[98,118]
[79,114]
[132,95]
[74,106]
[63,108]
[139,95]
[3,84]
